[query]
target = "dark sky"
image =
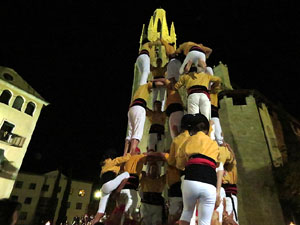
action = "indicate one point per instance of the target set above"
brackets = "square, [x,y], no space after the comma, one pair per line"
[80,57]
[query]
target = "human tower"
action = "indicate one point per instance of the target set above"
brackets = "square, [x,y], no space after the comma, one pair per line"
[193,179]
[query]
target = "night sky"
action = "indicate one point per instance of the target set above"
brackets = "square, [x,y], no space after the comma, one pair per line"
[80,58]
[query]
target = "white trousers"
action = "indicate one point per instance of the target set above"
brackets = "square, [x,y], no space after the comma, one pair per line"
[217,130]
[206,196]
[193,56]
[173,69]
[162,92]
[175,205]
[230,207]
[199,103]
[209,70]
[155,144]
[143,64]
[175,120]
[136,122]
[151,214]
[107,188]
[132,196]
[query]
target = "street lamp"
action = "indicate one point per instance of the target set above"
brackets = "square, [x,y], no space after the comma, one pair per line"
[97,194]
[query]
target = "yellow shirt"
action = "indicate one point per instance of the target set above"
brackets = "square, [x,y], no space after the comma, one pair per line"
[201,143]
[114,164]
[186,46]
[158,72]
[173,176]
[135,164]
[173,95]
[192,79]
[153,185]
[169,48]
[143,92]
[214,99]
[177,156]
[214,95]
[156,117]
[231,177]
[226,156]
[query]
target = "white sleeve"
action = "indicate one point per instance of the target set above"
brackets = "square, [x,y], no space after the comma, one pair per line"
[220,167]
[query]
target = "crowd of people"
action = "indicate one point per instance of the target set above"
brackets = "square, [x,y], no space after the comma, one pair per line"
[191,181]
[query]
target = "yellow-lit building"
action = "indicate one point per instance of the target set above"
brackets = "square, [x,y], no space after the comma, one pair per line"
[35,193]
[20,107]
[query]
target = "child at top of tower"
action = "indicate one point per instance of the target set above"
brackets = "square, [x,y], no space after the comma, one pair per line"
[195,54]
[197,88]
[143,60]
[159,72]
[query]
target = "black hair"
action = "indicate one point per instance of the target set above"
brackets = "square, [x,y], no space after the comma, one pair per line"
[200,123]
[156,101]
[172,44]
[7,209]
[186,122]
[193,69]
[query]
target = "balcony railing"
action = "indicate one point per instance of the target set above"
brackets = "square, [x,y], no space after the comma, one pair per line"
[12,139]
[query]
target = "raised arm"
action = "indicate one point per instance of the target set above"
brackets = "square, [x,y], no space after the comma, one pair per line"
[121,159]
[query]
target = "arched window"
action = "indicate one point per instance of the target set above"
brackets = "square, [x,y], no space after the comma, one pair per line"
[5,97]
[18,103]
[30,108]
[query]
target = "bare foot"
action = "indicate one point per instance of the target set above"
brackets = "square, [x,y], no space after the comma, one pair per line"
[97,218]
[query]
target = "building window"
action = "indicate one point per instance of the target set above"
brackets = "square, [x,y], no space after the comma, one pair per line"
[44,202]
[30,108]
[5,97]
[68,205]
[14,197]
[239,100]
[18,103]
[59,189]
[27,201]
[23,216]
[32,186]
[81,193]
[18,184]
[8,77]
[2,157]
[6,130]
[45,187]
[78,205]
